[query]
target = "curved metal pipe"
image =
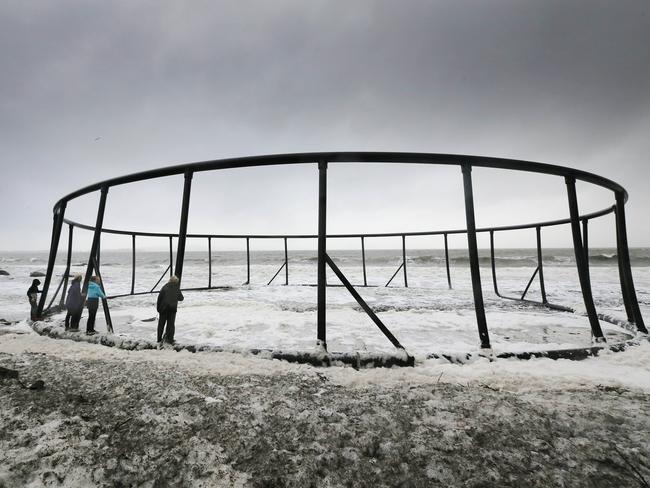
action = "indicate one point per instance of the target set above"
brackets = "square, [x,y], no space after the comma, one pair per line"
[354,157]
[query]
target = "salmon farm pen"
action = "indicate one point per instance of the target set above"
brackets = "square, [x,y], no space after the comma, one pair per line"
[579,225]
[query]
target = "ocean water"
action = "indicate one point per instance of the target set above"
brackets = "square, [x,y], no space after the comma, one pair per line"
[426,317]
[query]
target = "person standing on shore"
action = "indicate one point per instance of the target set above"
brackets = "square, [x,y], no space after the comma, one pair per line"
[32,295]
[168,299]
[74,304]
[95,292]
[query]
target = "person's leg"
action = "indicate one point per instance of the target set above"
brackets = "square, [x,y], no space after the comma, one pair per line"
[90,323]
[34,309]
[161,326]
[93,305]
[74,320]
[171,329]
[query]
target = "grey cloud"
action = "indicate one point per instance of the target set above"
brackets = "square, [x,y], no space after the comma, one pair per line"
[167,82]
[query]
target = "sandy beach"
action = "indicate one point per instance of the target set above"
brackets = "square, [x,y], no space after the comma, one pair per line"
[109,417]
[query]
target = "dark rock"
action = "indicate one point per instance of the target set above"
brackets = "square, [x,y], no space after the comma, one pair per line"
[36,274]
[3,272]
[8,373]
[37,385]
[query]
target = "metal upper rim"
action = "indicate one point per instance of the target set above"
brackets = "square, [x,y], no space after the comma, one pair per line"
[354,157]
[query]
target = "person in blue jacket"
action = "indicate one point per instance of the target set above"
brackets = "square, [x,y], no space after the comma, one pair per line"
[95,292]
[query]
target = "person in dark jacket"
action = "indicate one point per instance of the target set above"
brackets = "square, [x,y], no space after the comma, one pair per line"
[32,297]
[168,299]
[74,304]
[95,292]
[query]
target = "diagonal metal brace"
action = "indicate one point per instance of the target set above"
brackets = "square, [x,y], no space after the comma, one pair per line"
[363,304]
[58,288]
[530,282]
[161,277]
[394,274]
[277,273]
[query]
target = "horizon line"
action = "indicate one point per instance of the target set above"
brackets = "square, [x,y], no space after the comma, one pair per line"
[124,249]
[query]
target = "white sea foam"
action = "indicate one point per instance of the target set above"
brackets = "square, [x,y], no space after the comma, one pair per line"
[426,317]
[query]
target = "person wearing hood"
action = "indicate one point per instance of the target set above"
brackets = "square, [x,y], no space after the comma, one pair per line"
[95,292]
[74,304]
[168,299]
[32,295]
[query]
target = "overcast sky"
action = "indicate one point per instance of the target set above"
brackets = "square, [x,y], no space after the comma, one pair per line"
[94,90]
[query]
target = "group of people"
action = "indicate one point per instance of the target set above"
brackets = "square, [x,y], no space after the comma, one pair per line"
[167,304]
[74,303]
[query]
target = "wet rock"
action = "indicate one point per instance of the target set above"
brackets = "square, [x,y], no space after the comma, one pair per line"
[3,272]
[36,274]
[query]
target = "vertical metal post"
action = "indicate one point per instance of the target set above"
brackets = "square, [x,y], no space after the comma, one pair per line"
[98,231]
[132,264]
[286,263]
[447,262]
[322,251]
[406,283]
[625,268]
[107,312]
[581,260]
[621,273]
[473,257]
[363,261]
[99,251]
[182,232]
[57,224]
[248,261]
[585,244]
[171,258]
[494,265]
[540,265]
[209,262]
[68,263]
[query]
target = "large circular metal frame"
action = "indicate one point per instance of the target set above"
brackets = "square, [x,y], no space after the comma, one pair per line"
[321,160]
